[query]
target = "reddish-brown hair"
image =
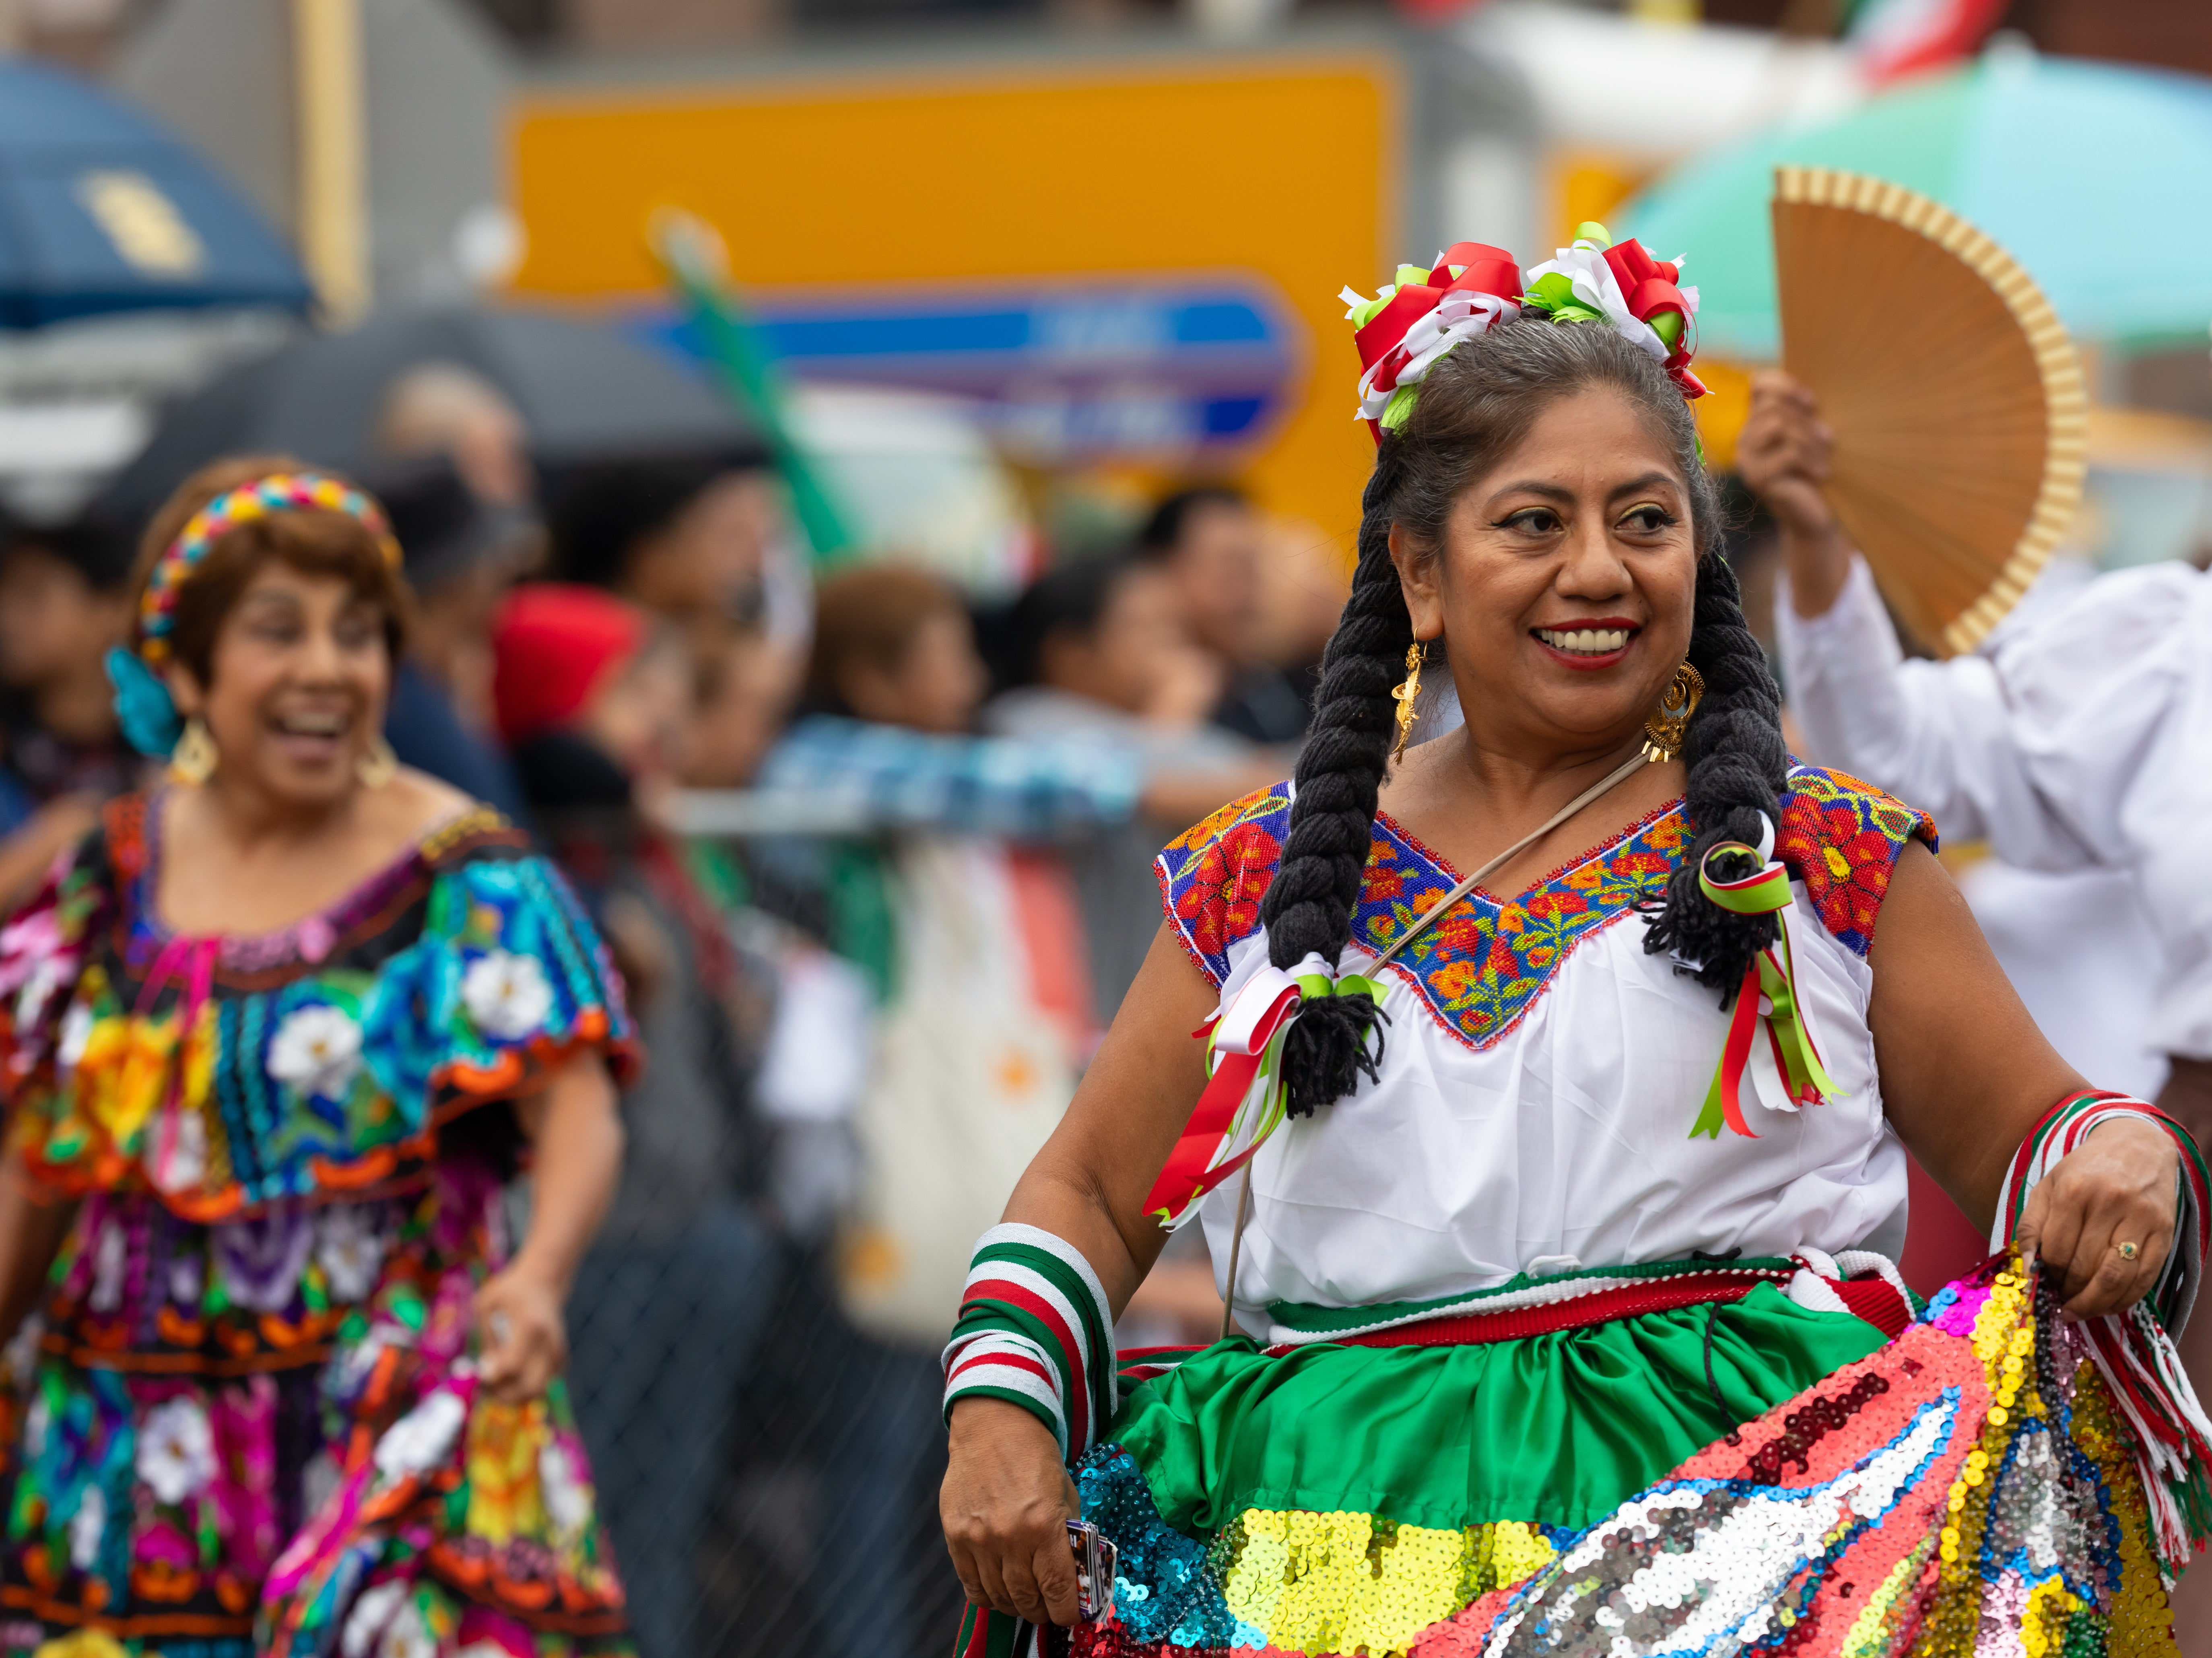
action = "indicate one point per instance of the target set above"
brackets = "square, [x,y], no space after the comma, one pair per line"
[314,541]
[870,617]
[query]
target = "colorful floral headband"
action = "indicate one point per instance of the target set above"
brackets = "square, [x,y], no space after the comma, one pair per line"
[279,492]
[1406,328]
[142,704]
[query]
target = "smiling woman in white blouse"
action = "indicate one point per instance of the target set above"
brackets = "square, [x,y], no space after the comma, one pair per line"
[1553,1198]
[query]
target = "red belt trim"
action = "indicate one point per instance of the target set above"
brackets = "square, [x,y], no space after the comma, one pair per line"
[1873,1299]
[1579,1312]
[1876,1301]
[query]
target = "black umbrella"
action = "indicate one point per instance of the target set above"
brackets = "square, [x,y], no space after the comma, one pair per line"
[586,392]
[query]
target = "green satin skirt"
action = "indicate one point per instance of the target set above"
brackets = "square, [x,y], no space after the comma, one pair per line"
[1339,1499]
[1557,1429]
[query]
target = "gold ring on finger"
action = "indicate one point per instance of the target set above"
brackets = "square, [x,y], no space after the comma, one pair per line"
[2127,1251]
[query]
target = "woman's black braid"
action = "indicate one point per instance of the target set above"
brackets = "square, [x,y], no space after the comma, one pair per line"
[1308,905]
[1738,765]
[1475,404]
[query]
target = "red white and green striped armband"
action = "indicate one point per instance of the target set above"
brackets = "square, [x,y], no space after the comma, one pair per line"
[2134,1349]
[1035,1330]
[2061,1130]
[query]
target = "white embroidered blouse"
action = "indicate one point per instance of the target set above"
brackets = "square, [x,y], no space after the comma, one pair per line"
[1540,1072]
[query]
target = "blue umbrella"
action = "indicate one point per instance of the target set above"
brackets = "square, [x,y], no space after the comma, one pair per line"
[103,210]
[2093,176]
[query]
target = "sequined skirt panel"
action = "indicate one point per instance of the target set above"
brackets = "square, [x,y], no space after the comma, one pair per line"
[1824,1492]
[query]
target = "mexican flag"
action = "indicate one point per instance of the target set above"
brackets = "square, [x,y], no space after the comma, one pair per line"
[1894,38]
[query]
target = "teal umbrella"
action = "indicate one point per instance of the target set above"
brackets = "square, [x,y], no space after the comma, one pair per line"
[2094,177]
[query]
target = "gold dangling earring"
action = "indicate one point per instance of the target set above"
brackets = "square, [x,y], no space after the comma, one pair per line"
[195,757]
[1662,731]
[1404,693]
[379,766]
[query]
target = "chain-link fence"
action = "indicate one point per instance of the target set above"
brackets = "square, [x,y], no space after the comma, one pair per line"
[819,1136]
[769,1472]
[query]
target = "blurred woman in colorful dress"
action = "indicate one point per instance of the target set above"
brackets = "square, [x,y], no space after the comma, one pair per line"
[272,1039]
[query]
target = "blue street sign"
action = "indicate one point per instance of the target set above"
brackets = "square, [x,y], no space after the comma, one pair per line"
[1080,369]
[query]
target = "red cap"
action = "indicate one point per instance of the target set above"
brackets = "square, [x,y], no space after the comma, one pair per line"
[553,644]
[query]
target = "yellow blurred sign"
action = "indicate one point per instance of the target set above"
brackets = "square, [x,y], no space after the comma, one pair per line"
[1277,167]
[142,222]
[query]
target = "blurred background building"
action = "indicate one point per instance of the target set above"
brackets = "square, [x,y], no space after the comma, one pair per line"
[1105,235]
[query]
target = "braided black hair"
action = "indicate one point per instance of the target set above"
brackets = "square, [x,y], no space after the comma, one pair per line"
[1476,403]
[1738,765]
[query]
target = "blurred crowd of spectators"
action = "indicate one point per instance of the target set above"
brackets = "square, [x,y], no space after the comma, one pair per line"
[860,1026]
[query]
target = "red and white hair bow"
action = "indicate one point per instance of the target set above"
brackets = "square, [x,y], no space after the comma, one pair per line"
[1470,287]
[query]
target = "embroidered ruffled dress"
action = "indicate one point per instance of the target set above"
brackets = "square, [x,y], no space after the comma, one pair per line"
[1543,1370]
[247,1402]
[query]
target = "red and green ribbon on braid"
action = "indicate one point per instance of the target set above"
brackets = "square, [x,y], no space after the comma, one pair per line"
[1035,1330]
[1767,999]
[2134,1349]
[1246,1095]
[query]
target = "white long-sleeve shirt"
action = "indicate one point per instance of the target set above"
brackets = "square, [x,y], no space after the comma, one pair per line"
[2082,742]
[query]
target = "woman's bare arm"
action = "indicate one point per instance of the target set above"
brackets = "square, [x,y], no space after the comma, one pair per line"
[1088,1184]
[31,1232]
[1006,1496]
[28,854]
[578,1141]
[1964,1075]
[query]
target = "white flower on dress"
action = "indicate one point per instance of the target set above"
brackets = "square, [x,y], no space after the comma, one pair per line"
[567,1499]
[176,1450]
[508,995]
[349,1251]
[22,1353]
[317,1050]
[319,1482]
[76,1032]
[86,1527]
[182,1135]
[350,1365]
[187,1280]
[420,1439]
[111,1258]
[258,1261]
[407,1636]
[53,973]
[35,1425]
[370,1614]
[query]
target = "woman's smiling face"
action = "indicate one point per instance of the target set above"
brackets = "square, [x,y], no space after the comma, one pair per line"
[300,676]
[1565,582]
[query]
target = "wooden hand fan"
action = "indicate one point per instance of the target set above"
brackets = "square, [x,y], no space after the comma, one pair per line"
[1954,395]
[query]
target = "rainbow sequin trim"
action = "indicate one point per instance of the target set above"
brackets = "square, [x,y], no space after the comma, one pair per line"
[1968,1492]
[279,492]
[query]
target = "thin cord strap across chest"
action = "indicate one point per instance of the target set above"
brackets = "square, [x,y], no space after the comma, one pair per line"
[1626,770]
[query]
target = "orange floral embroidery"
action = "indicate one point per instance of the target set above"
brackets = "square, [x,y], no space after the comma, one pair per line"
[1480,966]
[1842,838]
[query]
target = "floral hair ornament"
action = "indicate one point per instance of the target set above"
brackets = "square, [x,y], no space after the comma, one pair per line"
[1599,280]
[143,706]
[1408,326]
